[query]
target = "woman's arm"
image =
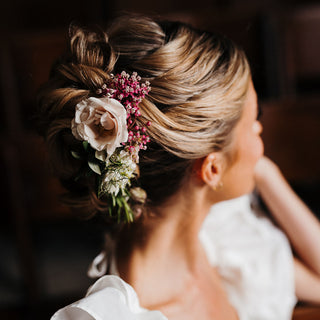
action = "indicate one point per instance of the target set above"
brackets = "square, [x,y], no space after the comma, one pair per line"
[307,283]
[292,215]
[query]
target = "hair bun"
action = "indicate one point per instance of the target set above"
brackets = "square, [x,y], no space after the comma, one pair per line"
[91,48]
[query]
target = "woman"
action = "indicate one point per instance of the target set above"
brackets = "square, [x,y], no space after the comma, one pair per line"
[153,162]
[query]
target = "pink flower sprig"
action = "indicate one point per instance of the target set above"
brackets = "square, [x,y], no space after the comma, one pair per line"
[129,92]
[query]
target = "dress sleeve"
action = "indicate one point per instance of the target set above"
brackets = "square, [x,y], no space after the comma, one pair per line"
[109,298]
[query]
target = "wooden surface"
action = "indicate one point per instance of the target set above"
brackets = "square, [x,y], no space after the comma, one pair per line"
[291,136]
[306,313]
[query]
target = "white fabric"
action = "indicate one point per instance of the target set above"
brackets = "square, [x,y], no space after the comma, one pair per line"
[110,298]
[253,258]
[98,267]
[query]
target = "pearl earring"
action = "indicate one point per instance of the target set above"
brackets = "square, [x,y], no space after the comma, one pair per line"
[218,186]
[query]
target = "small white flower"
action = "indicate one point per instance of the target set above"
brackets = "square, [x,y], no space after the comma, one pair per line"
[112,189]
[101,122]
[120,169]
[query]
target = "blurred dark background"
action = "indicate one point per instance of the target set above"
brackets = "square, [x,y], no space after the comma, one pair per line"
[46,249]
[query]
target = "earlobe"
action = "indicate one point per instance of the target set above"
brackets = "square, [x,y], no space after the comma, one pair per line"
[211,171]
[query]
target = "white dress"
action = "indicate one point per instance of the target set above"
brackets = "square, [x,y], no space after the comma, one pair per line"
[253,258]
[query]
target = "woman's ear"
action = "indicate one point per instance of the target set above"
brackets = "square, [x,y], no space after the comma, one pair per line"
[211,170]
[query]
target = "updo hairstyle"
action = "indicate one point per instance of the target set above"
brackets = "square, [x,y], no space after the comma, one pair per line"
[199,82]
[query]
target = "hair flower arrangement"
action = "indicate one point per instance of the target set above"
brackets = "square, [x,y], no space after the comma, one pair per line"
[112,139]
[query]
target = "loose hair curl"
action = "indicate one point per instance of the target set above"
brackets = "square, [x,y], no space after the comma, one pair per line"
[199,83]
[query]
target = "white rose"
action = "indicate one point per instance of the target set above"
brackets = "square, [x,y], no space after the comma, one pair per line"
[102,122]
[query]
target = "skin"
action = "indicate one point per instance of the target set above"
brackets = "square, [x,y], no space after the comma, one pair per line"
[163,258]
[238,178]
[298,222]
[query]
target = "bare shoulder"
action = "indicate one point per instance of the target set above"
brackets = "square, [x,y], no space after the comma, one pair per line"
[203,298]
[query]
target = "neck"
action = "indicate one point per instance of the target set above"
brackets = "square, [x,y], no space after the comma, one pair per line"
[166,242]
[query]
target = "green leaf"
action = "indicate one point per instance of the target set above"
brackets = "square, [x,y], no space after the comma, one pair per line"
[110,211]
[101,155]
[128,211]
[119,210]
[75,154]
[113,201]
[119,203]
[94,167]
[85,145]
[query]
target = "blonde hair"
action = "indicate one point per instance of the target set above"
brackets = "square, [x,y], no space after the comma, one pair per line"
[199,83]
